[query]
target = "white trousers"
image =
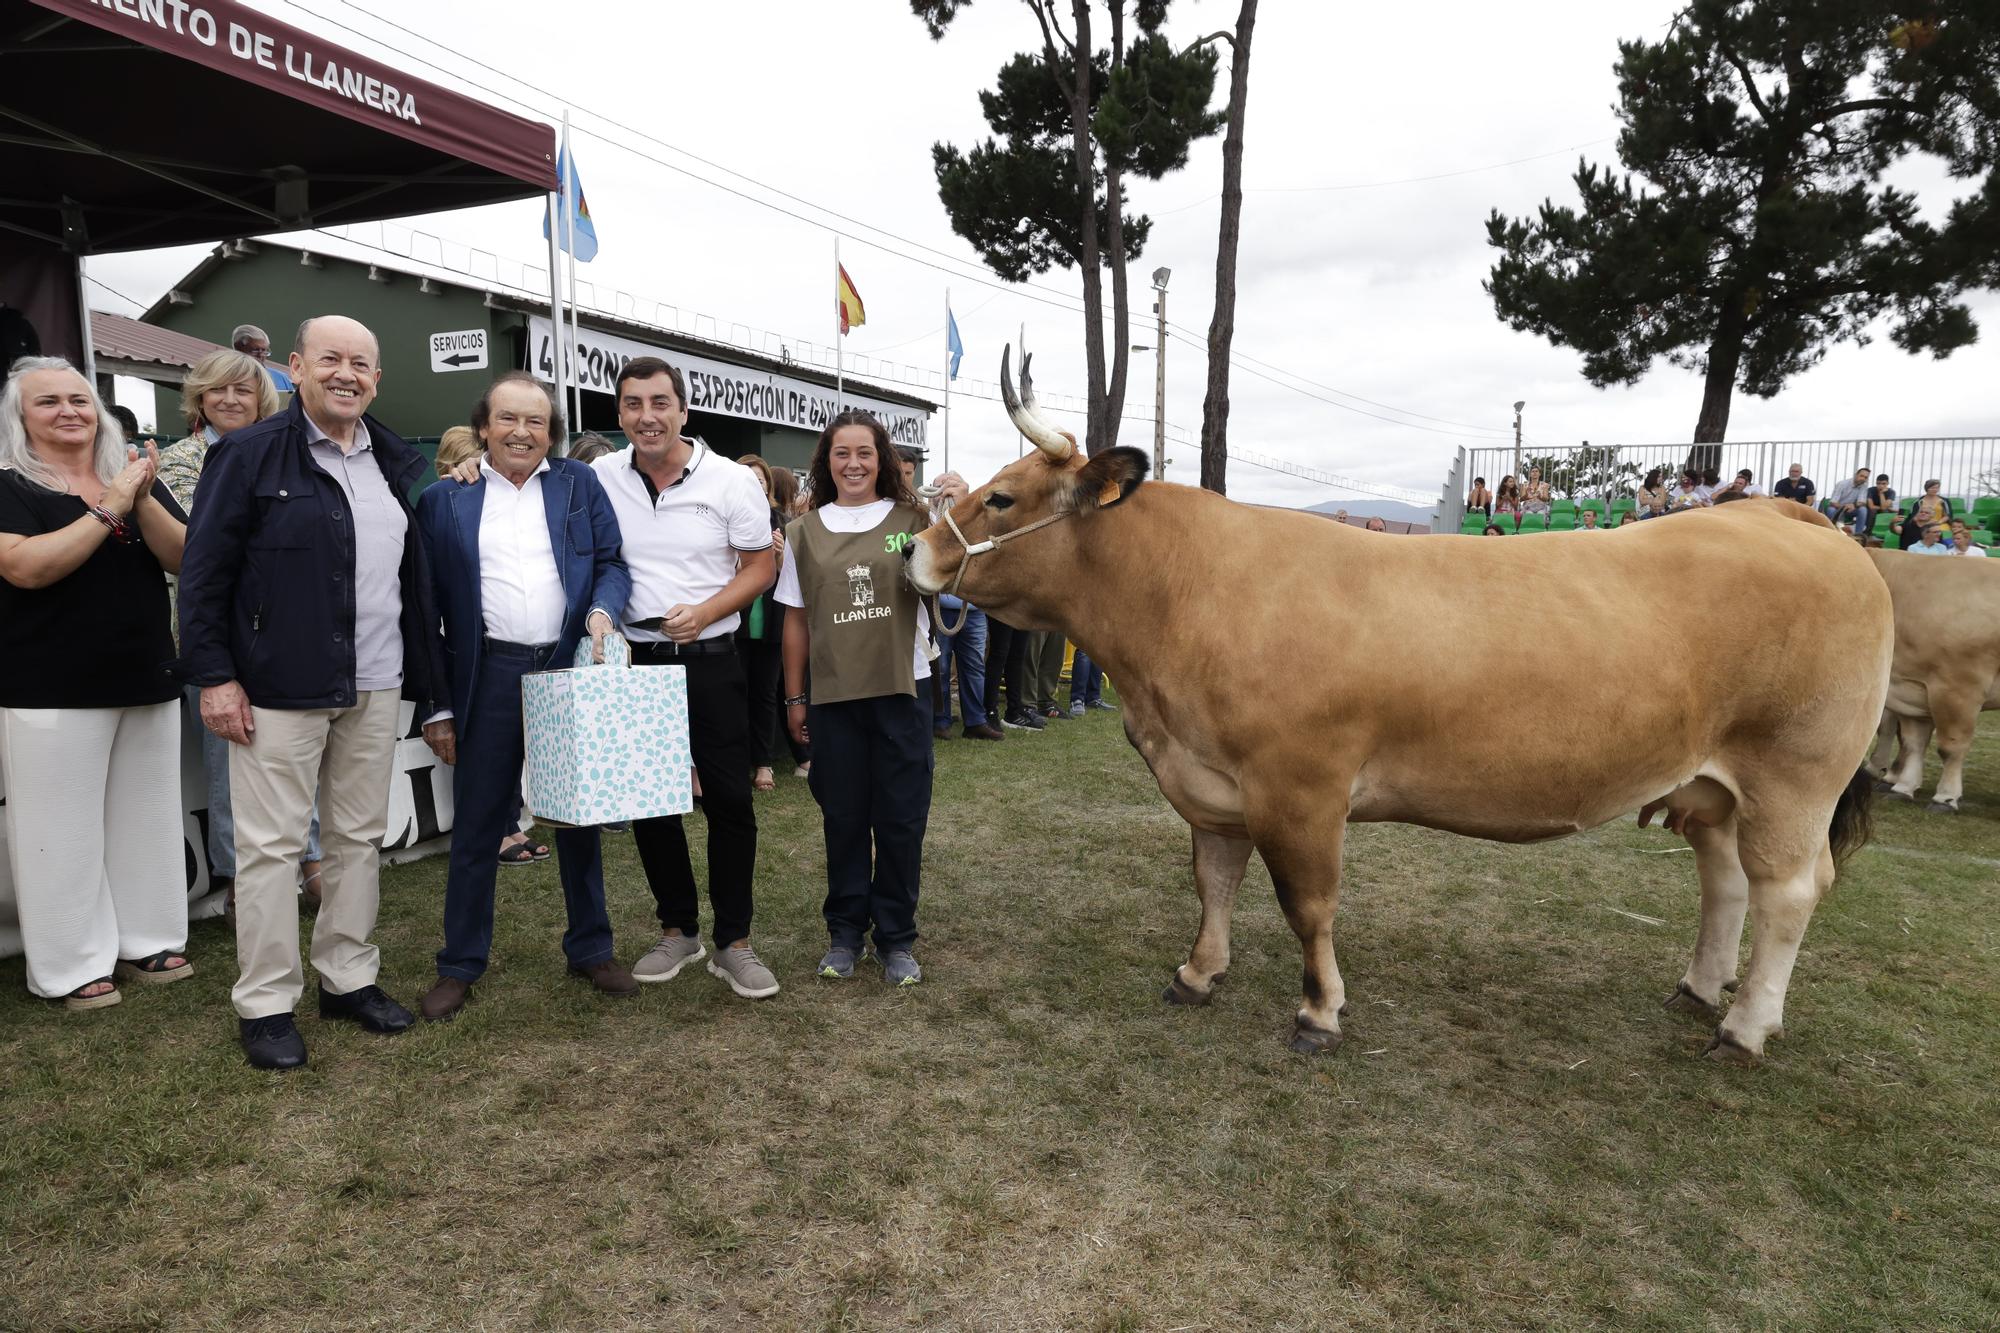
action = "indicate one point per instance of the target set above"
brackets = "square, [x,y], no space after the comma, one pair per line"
[94,838]
[348,755]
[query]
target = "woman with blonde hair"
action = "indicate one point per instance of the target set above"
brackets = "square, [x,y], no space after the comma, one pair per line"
[455,446]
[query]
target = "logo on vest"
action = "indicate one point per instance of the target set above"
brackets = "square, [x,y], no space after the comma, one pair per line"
[861,588]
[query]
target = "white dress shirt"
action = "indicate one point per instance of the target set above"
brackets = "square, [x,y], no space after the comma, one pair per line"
[520,589]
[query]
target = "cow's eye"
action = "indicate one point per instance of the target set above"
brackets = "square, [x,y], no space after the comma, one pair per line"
[999,501]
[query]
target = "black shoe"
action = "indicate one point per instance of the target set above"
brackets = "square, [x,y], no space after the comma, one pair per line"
[368,1006]
[272,1043]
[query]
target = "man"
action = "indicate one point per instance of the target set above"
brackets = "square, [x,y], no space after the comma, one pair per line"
[305,618]
[1046,650]
[1587,521]
[967,647]
[1933,542]
[1738,489]
[1849,505]
[1881,499]
[697,534]
[254,342]
[524,562]
[1795,485]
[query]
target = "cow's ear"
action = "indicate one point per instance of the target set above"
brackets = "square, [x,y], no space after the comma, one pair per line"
[1110,477]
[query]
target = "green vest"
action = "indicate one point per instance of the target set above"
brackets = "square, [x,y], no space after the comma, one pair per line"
[860,610]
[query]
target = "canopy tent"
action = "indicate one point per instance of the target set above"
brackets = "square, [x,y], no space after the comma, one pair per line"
[132,124]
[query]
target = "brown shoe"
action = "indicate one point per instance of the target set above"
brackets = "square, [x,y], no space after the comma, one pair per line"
[985,731]
[611,977]
[442,1002]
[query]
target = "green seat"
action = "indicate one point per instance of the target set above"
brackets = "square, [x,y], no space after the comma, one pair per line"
[1885,523]
[1907,503]
[1958,505]
[1597,505]
[1890,541]
[1562,506]
[1561,522]
[1986,505]
[1534,523]
[1622,503]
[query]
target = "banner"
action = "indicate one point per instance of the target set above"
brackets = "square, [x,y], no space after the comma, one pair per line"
[719,387]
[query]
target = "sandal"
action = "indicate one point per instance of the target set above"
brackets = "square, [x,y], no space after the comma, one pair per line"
[517,854]
[763,781]
[76,999]
[154,969]
[309,889]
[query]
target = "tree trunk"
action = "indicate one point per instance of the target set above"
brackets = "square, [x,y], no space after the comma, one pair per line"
[1222,325]
[1725,355]
[1106,436]
[1084,155]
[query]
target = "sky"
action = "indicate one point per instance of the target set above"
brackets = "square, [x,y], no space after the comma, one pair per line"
[1375,148]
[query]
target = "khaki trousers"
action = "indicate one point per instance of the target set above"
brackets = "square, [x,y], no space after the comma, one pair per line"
[348,756]
[1044,668]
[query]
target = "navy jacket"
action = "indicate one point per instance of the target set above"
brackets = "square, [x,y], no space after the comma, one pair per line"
[583,533]
[267,581]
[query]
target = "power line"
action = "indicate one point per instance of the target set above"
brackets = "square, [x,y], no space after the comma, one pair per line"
[1405,180]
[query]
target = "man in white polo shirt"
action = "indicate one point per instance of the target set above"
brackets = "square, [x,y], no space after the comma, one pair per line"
[697,532]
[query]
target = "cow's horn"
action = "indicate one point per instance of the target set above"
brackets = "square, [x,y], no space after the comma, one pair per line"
[1046,438]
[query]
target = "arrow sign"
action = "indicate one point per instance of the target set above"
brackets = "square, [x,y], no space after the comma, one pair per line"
[461,350]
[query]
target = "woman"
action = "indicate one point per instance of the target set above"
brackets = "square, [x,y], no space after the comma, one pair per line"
[1930,510]
[1535,496]
[455,446]
[760,641]
[862,630]
[1481,499]
[1508,500]
[1690,494]
[1653,497]
[224,391]
[1494,530]
[1962,540]
[89,729]
[1629,516]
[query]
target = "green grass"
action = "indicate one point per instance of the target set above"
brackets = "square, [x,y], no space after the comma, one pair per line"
[1514,1136]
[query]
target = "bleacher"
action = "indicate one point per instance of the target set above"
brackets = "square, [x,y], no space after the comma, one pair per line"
[1983,515]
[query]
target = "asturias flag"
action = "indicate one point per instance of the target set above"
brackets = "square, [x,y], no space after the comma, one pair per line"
[851,313]
[951,342]
[579,210]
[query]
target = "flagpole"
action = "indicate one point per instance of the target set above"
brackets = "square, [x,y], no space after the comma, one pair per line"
[947,380]
[839,367]
[569,232]
[555,310]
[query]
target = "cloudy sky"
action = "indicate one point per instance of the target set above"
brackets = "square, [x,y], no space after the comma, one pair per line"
[1377,143]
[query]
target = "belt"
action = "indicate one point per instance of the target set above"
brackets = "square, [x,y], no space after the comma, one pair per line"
[721,643]
[502,648]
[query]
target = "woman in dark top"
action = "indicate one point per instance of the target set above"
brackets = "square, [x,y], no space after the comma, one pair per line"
[760,638]
[89,723]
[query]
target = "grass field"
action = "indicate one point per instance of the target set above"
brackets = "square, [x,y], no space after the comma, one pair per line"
[1514,1136]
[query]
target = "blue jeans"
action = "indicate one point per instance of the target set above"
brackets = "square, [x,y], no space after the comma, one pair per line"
[1086,681]
[221,820]
[969,647]
[486,801]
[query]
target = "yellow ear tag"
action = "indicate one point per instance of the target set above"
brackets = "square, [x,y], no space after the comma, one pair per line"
[1109,495]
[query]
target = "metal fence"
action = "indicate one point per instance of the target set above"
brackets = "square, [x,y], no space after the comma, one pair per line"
[1968,465]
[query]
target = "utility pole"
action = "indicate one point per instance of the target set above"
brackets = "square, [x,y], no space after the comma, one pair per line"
[1160,276]
[1517,436]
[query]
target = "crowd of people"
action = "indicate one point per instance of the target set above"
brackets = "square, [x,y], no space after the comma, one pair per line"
[269,578]
[1928,526]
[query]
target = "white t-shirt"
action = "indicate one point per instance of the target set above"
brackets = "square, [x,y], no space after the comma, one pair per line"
[845,519]
[682,546]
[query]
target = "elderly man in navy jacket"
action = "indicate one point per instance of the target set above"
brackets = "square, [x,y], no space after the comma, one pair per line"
[306,618]
[525,562]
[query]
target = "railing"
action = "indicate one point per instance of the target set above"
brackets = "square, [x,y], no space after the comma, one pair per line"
[1967,465]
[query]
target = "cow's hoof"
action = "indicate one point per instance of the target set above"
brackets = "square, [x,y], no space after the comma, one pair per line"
[1725,1049]
[1314,1041]
[1942,808]
[1179,992]
[1345,1005]
[1731,984]
[1685,1001]
[1892,794]
[1883,784]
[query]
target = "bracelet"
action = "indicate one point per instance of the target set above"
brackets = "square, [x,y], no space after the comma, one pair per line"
[119,528]
[795,699]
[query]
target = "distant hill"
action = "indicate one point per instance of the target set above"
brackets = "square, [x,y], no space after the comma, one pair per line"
[1394,510]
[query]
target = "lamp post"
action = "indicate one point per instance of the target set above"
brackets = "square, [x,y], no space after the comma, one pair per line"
[1517,435]
[1160,276]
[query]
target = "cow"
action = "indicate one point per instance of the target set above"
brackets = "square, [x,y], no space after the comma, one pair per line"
[1283,676]
[1946,670]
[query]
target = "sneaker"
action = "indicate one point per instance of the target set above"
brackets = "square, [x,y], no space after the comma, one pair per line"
[746,974]
[664,961]
[620,827]
[1055,714]
[1076,709]
[899,968]
[838,965]
[1019,721]
[1109,708]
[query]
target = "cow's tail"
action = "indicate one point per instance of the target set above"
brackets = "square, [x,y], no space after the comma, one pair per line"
[1853,821]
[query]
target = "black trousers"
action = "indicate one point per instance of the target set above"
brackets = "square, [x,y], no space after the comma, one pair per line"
[871,775]
[1006,660]
[763,663]
[719,736]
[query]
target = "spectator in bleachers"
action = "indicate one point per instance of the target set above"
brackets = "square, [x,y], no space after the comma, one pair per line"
[1507,501]
[1586,521]
[1377,525]
[1629,516]
[1795,485]
[1932,542]
[1743,486]
[1481,499]
[1711,482]
[1881,499]
[1848,505]
[1654,497]
[1962,540]
[1728,494]
[1535,496]
[1494,530]
[1690,494]
[1930,509]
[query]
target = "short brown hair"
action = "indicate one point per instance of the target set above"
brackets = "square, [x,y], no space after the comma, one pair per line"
[225,367]
[645,368]
[482,411]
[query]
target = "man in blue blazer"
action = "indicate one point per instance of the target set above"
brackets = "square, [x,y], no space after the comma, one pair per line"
[524,562]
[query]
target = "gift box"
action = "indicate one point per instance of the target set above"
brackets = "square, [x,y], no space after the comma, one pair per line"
[607,743]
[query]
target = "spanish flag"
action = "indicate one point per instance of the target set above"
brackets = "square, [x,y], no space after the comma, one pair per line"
[851,312]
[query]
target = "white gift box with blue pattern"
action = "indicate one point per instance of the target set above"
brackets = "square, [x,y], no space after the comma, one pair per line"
[607,743]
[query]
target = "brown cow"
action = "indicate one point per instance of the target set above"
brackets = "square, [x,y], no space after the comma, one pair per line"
[1283,675]
[1947,666]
